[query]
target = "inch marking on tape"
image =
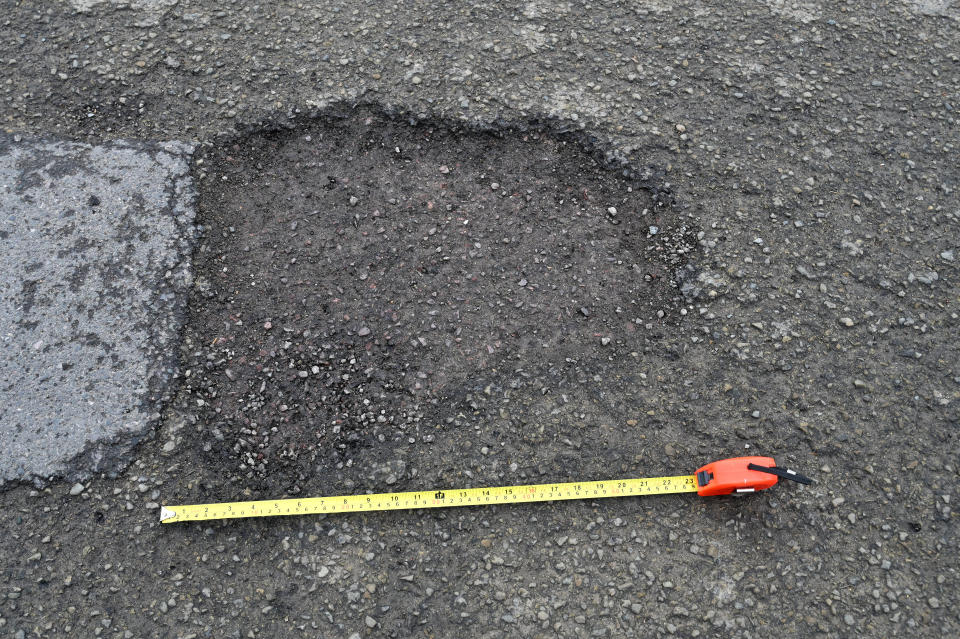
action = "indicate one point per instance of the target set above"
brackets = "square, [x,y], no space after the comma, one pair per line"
[724,477]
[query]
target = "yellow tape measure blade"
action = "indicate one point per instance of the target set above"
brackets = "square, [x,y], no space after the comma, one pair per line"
[447,498]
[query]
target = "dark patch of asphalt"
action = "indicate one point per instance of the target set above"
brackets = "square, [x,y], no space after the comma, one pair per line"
[814,149]
[406,270]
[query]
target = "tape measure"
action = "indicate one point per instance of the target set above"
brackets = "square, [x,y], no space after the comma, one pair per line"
[728,476]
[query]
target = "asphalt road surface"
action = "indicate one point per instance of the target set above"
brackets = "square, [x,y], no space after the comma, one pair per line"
[96,265]
[276,249]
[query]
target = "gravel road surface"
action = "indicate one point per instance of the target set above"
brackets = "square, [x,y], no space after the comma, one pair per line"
[779,277]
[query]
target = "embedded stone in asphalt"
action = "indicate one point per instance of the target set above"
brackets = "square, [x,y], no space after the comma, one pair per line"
[94,256]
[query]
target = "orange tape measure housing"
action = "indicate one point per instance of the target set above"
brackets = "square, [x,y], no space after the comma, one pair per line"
[729,476]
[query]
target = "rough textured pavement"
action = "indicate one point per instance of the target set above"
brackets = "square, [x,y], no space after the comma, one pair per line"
[414,275]
[94,249]
[812,145]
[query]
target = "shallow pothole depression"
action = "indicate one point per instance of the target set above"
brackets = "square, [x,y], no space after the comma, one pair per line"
[366,285]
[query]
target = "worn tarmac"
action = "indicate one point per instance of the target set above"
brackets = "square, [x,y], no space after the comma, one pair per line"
[96,256]
[809,150]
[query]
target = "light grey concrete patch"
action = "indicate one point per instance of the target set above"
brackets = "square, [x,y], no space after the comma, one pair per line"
[936,8]
[136,5]
[94,256]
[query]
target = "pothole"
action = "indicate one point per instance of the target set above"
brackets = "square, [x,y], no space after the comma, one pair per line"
[361,279]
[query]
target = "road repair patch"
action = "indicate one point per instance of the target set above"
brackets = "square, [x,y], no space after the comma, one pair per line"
[94,246]
[364,283]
